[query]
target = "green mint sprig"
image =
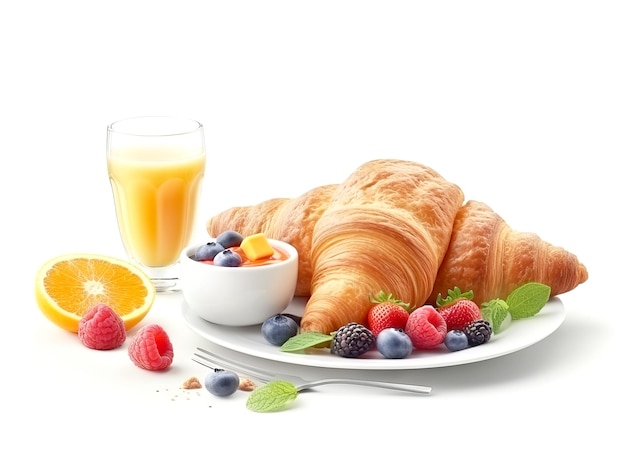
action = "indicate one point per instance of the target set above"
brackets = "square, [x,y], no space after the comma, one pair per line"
[271,397]
[495,312]
[528,300]
[525,301]
[306,340]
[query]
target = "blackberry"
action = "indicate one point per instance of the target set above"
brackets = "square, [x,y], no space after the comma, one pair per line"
[478,332]
[352,340]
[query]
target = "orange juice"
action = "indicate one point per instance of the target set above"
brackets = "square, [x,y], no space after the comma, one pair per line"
[156,191]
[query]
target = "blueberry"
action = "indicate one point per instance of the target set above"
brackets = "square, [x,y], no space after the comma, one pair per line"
[228,239]
[278,329]
[208,251]
[221,382]
[227,258]
[394,343]
[456,340]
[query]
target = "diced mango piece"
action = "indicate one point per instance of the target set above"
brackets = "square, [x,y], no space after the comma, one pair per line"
[256,247]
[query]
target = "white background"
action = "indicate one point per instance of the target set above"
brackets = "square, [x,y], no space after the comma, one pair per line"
[520,103]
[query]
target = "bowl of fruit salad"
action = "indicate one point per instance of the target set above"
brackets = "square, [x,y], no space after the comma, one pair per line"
[238,280]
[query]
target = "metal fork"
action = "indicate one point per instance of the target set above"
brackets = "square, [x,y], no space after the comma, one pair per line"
[206,358]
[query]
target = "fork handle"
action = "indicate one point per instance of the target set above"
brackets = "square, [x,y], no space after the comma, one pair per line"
[376,384]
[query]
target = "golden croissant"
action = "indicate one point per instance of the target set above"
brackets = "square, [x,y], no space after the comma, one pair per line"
[490,258]
[400,227]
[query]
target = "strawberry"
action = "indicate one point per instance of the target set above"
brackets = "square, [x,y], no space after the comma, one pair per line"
[386,312]
[458,309]
[426,328]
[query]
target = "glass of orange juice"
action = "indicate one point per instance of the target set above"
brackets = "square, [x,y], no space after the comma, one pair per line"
[156,167]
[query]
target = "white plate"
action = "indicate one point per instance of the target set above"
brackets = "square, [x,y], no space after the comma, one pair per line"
[518,335]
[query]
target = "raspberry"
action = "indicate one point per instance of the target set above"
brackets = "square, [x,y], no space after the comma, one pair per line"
[101,328]
[426,328]
[151,348]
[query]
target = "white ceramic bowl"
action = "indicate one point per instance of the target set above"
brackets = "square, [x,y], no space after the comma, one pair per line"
[239,296]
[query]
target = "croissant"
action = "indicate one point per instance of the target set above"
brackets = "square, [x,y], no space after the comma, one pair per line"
[386,228]
[490,258]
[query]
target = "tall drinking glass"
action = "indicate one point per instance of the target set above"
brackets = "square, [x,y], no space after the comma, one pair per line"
[156,167]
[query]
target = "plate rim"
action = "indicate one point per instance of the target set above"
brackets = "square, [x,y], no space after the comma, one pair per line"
[521,334]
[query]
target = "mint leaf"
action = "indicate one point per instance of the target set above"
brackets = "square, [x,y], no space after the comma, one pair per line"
[306,340]
[528,300]
[271,397]
[494,312]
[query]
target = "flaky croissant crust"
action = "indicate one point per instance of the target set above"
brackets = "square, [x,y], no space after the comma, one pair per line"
[387,227]
[490,258]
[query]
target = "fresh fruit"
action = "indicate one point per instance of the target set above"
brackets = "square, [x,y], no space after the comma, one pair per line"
[228,239]
[68,286]
[352,340]
[221,382]
[257,247]
[456,340]
[208,251]
[101,328]
[458,309]
[478,332]
[426,327]
[278,329]
[394,343]
[151,348]
[460,314]
[227,258]
[386,312]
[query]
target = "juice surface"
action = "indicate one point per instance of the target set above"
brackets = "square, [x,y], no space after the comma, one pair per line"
[155,198]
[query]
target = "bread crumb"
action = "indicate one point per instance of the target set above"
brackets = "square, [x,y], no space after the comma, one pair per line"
[246,384]
[192,383]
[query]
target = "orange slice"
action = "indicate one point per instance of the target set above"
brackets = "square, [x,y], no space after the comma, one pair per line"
[68,286]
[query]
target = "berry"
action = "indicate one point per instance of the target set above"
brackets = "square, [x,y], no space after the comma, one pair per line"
[460,313]
[456,340]
[227,258]
[101,328]
[394,343]
[352,340]
[458,309]
[228,239]
[221,382]
[151,348]
[387,312]
[426,327]
[208,251]
[278,329]
[478,332]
